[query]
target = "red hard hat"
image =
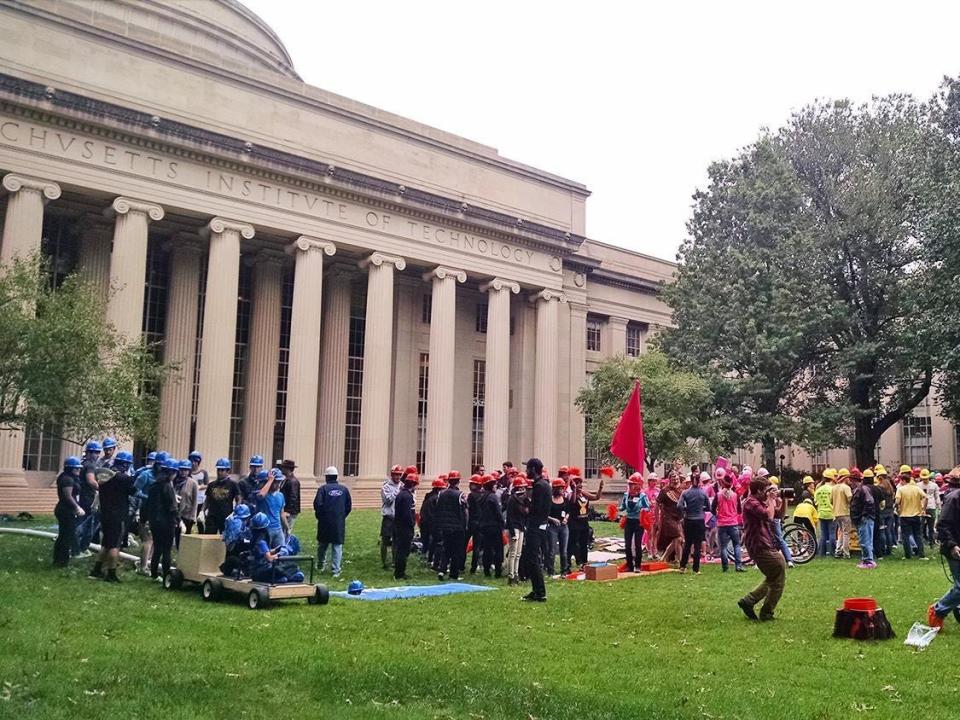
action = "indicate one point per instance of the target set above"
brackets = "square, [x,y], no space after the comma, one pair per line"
[411,470]
[915,472]
[558,483]
[412,479]
[574,470]
[453,475]
[474,479]
[635,479]
[607,470]
[396,470]
[487,479]
[439,483]
[518,482]
[563,469]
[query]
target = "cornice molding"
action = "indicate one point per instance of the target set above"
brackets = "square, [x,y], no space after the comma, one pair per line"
[624,280]
[14,183]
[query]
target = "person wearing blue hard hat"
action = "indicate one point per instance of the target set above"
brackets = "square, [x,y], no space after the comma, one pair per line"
[109,446]
[89,487]
[144,478]
[201,478]
[67,511]
[115,492]
[271,502]
[186,488]
[248,483]
[236,540]
[222,495]
[266,559]
[162,511]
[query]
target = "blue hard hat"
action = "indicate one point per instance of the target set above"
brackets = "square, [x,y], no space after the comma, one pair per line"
[195,455]
[242,512]
[171,464]
[125,456]
[355,587]
[223,464]
[161,457]
[185,465]
[259,521]
[94,446]
[276,474]
[256,461]
[109,442]
[262,475]
[151,456]
[72,462]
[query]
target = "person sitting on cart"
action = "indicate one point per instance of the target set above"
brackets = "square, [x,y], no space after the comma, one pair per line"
[266,563]
[236,538]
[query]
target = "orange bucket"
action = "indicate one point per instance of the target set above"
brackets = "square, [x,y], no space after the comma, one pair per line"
[864,604]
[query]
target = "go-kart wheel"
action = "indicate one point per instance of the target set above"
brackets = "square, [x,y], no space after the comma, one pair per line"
[173,580]
[321,596]
[257,599]
[211,590]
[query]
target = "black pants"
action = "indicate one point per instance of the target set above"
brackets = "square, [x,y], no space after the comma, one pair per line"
[66,537]
[454,553]
[425,539]
[911,527]
[162,545]
[214,525]
[579,541]
[402,537]
[477,549]
[534,543]
[693,534]
[492,543]
[633,539]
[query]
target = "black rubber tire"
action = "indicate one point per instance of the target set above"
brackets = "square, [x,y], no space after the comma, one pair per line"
[257,599]
[173,580]
[802,543]
[211,590]
[321,596]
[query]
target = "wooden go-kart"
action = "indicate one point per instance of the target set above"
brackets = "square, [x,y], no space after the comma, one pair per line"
[199,560]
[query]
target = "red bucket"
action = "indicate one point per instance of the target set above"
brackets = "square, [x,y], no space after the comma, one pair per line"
[864,604]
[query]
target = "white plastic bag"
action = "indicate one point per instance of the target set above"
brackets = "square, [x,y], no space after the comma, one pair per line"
[920,635]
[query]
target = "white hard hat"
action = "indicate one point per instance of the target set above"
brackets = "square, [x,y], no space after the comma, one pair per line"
[332,470]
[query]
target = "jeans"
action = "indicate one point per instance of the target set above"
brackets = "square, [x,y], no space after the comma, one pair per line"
[729,534]
[84,531]
[513,553]
[778,531]
[558,537]
[774,570]
[633,539]
[828,538]
[276,538]
[911,527]
[889,532]
[950,601]
[865,535]
[336,556]
[843,543]
[693,534]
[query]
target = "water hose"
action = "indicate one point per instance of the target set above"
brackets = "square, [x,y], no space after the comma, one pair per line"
[53,536]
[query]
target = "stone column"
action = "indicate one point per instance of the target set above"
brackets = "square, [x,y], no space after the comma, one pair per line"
[22,234]
[303,376]
[260,401]
[332,403]
[443,343]
[618,336]
[546,377]
[128,264]
[96,242]
[496,410]
[219,341]
[578,377]
[179,347]
[377,364]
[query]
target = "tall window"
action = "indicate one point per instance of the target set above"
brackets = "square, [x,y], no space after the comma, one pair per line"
[423,379]
[590,461]
[916,440]
[479,391]
[594,327]
[351,449]
[480,322]
[819,462]
[286,308]
[426,308]
[634,341]
[154,315]
[240,364]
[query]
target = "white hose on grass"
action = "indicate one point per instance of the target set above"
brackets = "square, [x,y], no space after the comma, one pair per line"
[53,536]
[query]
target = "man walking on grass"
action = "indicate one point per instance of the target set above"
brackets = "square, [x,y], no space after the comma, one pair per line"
[948,532]
[759,510]
[535,539]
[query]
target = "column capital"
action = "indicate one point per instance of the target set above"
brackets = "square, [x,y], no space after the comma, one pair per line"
[546,295]
[305,243]
[219,225]
[13,183]
[123,205]
[378,258]
[499,283]
[441,273]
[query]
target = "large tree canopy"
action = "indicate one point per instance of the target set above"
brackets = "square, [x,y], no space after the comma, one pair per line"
[63,368]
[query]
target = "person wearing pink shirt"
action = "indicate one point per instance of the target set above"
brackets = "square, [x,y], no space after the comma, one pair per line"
[726,506]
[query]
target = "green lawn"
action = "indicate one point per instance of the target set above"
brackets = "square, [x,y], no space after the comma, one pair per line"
[658,647]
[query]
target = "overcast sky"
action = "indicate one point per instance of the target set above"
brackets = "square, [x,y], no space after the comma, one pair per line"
[634,102]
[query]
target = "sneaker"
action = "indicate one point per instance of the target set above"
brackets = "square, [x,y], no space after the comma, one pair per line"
[863,566]
[557,577]
[747,609]
[530,597]
[441,577]
[85,554]
[873,565]
[934,620]
[790,564]
[741,569]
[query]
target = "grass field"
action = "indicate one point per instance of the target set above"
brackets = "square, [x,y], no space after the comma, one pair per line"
[666,646]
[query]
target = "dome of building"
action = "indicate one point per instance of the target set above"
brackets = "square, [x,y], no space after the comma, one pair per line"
[221,33]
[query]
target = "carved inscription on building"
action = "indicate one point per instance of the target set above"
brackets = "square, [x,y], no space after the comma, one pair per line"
[131,159]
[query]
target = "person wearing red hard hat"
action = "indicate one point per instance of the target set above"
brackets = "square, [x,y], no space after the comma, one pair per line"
[473,515]
[388,496]
[558,531]
[633,503]
[450,526]
[580,500]
[518,508]
[490,527]
[427,509]
[405,523]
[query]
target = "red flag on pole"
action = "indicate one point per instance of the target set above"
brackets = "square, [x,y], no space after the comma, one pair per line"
[627,442]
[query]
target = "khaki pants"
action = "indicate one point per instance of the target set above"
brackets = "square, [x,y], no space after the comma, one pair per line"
[513,553]
[774,569]
[146,547]
[843,535]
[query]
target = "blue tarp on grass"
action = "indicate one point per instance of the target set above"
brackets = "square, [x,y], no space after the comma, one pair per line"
[412,591]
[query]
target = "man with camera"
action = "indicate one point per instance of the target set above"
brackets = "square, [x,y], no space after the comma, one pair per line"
[759,510]
[948,533]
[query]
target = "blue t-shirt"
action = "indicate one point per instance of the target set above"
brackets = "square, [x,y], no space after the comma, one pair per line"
[272,505]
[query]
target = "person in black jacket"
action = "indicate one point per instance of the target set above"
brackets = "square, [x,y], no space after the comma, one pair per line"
[948,533]
[450,521]
[331,505]
[429,506]
[404,524]
[67,510]
[162,511]
[473,515]
[115,494]
[536,536]
[490,524]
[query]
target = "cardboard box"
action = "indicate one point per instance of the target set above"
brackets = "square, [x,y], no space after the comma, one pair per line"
[601,571]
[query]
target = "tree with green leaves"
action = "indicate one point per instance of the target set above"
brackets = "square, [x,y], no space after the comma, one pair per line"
[677,420]
[63,368]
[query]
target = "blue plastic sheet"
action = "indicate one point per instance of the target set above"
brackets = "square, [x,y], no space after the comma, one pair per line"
[412,591]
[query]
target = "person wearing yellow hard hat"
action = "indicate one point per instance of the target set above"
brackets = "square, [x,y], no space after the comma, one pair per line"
[805,513]
[910,502]
[840,495]
[932,492]
[808,487]
[823,498]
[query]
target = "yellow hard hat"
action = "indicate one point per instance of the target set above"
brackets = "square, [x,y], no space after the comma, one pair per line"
[774,479]
[843,473]
[924,474]
[807,480]
[868,473]
[905,469]
[879,470]
[830,474]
